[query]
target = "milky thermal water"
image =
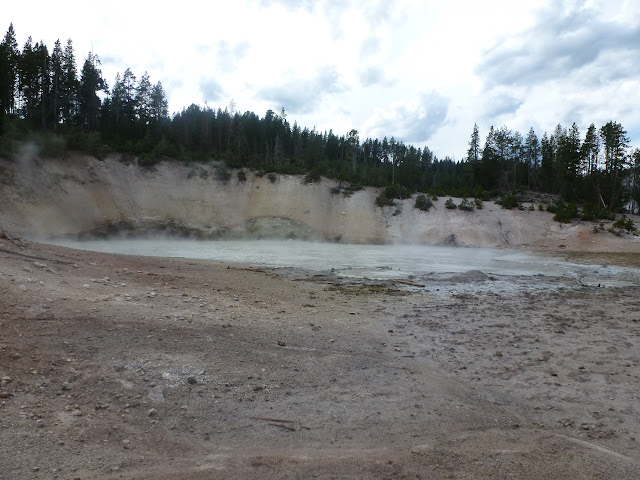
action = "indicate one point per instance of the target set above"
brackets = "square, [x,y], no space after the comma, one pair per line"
[376,262]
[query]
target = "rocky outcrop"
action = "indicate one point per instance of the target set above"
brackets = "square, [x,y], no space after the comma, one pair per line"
[82,196]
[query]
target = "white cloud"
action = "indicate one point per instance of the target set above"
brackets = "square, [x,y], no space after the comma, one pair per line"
[343,64]
[413,121]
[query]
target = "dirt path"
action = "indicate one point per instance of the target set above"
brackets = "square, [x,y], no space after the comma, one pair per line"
[132,367]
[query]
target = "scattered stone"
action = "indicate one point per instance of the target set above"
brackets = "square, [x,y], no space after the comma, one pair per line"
[156,394]
[4,381]
[15,356]
[152,412]
[120,367]
[66,386]
[76,413]
[192,380]
[86,285]
[282,343]
[22,287]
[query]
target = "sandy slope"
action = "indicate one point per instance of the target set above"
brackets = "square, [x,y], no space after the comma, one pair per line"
[81,194]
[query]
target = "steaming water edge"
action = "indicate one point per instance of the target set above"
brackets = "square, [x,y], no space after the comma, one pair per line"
[379,262]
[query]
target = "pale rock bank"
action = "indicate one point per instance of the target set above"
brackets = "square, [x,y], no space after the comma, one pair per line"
[82,195]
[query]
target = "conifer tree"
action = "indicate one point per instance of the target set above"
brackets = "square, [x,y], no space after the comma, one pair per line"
[9,57]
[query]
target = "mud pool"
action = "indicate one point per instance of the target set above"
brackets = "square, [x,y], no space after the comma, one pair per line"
[427,264]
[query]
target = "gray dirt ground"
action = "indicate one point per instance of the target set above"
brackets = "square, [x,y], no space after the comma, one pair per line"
[133,367]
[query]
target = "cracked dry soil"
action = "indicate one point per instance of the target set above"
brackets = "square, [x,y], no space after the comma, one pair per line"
[136,367]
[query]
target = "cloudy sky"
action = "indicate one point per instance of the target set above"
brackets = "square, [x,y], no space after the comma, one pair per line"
[422,71]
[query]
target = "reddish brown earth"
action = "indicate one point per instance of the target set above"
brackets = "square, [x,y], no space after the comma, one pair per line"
[134,367]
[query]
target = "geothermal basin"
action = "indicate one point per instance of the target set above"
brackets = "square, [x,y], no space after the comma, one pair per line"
[465,268]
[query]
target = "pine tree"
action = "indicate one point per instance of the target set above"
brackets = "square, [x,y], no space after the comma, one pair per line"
[91,82]
[143,100]
[532,156]
[68,85]
[473,154]
[615,142]
[9,57]
[57,73]
[128,97]
[590,150]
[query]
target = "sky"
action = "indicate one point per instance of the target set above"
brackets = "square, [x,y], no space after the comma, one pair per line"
[423,72]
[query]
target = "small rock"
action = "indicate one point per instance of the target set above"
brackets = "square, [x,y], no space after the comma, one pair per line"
[152,412]
[4,381]
[192,380]
[86,285]
[16,355]
[76,413]
[66,386]
[156,394]
[22,287]
[120,367]
[282,343]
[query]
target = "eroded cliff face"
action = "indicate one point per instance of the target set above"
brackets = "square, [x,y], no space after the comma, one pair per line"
[81,195]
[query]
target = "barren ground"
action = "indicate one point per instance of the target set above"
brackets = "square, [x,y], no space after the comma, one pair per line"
[137,367]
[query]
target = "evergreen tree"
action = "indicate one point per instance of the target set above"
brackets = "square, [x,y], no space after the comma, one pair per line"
[473,154]
[615,142]
[128,97]
[68,85]
[9,57]
[56,97]
[532,157]
[159,108]
[91,82]
[143,100]
[590,150]
[547,166]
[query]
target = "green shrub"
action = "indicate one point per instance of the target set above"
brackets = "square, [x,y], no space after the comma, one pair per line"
[532,208]
[223,175]
[434,197]
[508,201]
[147,160]
[565,213]
[312,177]
[624,223]
[466,205]
[242,176]
[479,204]
[449,204]
[351,188]
[396,191]
[272,177]
[540,208]
[390,193]
[383,201]
[423,203]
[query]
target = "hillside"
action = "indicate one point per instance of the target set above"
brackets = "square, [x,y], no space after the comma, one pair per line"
[81,195]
